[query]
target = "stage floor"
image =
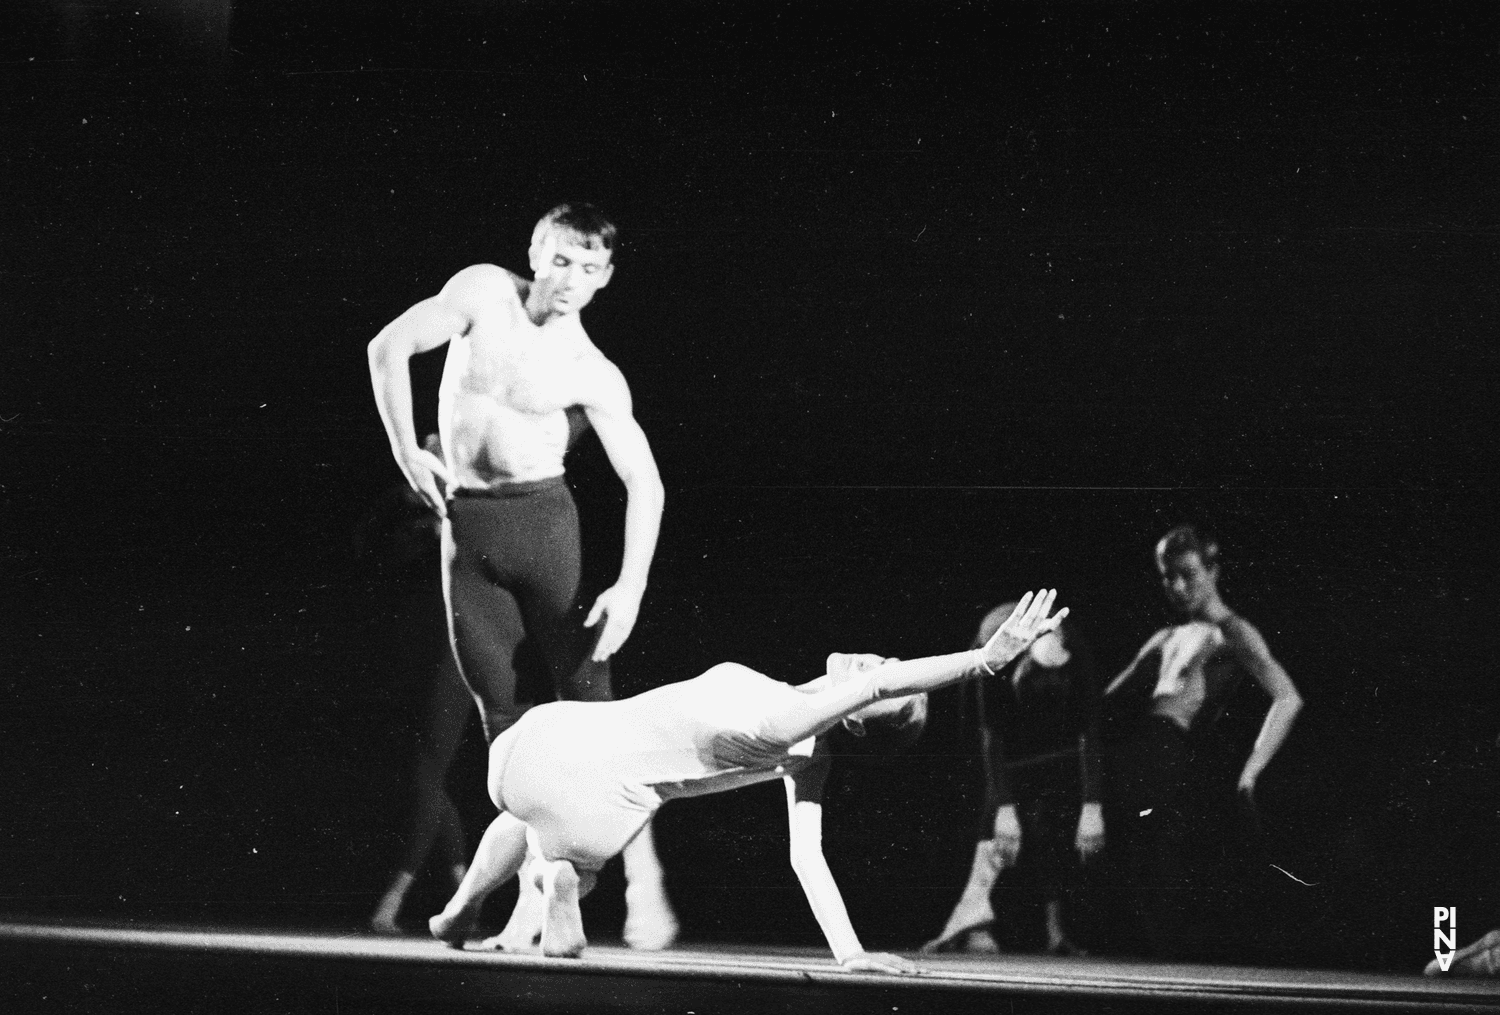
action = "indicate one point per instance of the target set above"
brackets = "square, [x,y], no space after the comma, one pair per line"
[74,966]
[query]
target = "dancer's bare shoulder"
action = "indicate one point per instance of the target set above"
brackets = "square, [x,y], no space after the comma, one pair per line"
[482,288]
[603,383]
[1243,639]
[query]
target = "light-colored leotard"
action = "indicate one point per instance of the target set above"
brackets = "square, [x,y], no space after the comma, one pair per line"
[587,775]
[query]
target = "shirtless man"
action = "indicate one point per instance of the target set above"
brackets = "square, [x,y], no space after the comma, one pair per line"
[1197,666]
[518,359]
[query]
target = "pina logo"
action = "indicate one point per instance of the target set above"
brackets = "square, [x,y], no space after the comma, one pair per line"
[1444,939]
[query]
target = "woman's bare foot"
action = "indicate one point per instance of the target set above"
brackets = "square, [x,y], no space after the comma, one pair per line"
[562,926]
[650,924]
[452,925]
[525,923]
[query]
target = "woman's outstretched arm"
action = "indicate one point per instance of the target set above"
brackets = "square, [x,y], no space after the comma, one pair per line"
[818,711]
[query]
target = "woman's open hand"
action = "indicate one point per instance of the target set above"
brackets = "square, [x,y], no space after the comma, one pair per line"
[1026,623]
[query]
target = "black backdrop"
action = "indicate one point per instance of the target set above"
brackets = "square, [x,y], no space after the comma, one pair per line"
[921,305]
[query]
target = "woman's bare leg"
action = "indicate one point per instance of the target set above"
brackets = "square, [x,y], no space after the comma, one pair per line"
[499,857]
[973,909]
[562,927]
[525,924]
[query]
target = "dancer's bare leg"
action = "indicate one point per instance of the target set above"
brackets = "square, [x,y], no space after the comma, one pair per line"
[973,911]
[650,924]
[1058,942]
[525,925]
[562,926]
[496,861]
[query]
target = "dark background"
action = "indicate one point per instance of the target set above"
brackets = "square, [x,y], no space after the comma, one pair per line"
[921,305]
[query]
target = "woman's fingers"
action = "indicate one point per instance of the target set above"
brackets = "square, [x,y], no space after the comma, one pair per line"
[1018,614]
[1032,610]
[1041,606]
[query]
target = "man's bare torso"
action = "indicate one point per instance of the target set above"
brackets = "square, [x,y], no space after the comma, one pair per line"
[1182,681]
[506,387]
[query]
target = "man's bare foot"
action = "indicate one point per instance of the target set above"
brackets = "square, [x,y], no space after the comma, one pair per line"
[958,940]
[562,925]
[1063,945]
[1478,958]
[650,924]
[383,920]
[980,941]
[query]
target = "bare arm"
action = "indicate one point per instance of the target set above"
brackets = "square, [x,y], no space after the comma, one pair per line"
[1132,671]
[818,711]
[608,408]
[805,821]
[1252,652]
[422,328]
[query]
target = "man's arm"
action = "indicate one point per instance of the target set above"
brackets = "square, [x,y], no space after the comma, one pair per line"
[607,403]
[804,801]
[1130,672]
[422,328]
[1252,652]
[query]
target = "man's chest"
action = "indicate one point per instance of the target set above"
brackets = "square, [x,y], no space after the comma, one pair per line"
[531,373]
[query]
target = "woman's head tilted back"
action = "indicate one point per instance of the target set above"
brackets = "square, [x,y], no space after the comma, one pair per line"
[890,724]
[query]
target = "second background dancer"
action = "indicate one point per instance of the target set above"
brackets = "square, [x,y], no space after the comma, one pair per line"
[1037,736]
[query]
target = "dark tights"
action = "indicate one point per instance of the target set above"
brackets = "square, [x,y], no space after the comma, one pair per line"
[511,568]
[1150,770]
[434,816]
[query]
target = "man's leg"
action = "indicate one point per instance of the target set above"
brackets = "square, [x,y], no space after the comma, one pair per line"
[497,860]
[650,924]
[1150,771]
[973,910]
[484,617]
[433,814]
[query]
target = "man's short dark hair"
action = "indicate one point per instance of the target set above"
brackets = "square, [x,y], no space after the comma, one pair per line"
[581,222]
[1187,539]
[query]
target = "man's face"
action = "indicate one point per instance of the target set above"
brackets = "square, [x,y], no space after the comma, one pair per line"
[1188,583]
[568,273]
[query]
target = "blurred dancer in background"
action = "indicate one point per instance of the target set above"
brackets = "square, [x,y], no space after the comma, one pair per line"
[1183,677]
[1037,738]
[400,536]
